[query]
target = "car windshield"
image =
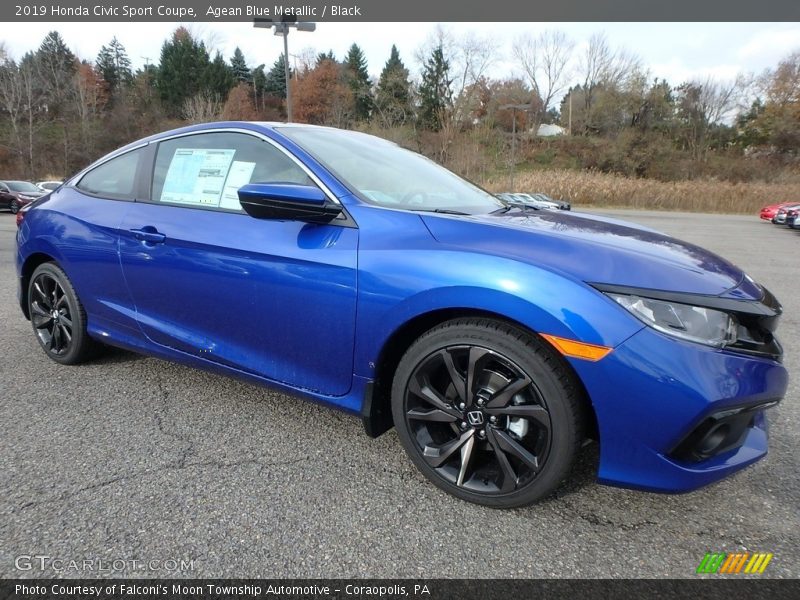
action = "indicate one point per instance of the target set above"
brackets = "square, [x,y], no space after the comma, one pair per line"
[22,186]
[385,174]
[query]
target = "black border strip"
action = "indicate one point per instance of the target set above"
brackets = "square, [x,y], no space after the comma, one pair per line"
[419,11]
[705,587]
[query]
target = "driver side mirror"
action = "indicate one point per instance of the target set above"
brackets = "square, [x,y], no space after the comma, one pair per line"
[287,202]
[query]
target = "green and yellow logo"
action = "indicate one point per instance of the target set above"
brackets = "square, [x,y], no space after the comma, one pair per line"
[734,562]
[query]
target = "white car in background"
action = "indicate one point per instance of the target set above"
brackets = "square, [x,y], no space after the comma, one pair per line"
[48,186]
[539,201]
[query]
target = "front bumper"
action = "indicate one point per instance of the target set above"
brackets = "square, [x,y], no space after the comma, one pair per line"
[653,393]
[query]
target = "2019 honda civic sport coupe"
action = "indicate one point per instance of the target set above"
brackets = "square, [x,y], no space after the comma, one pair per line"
[495,338]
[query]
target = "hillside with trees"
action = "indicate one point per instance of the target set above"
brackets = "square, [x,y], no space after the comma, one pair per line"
[59,111]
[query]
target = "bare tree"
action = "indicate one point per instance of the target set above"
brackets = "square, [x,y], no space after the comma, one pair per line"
[473,57]
[545,60]
[469,57]
[32,98]
[202,108]
[11,94]
[702,104]
[604,67]
[22,99]
[303,61]
[90,96]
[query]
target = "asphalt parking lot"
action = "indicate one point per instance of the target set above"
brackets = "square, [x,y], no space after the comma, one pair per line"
[132,458]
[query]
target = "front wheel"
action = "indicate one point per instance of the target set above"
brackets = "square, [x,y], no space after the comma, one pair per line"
[14,207]
[488,412]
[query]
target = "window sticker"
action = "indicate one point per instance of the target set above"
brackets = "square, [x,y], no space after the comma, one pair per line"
[239,175]
[197,176]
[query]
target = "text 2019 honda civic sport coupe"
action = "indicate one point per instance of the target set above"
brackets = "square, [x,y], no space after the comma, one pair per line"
[340,267]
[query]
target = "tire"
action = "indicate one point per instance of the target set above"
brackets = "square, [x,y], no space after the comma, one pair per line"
[509,442]
[63,337]
[13,206]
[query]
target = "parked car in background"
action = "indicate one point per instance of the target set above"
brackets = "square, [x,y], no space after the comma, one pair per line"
[16,194]
[561,204]
[48,186]
[791,218]
[528,200]
[768,212]
[780,215]
[496,338]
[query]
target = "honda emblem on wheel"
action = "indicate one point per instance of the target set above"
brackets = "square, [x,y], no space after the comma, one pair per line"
[475,418]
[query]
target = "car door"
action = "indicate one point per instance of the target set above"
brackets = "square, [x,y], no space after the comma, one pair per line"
[86,215]
[273,298]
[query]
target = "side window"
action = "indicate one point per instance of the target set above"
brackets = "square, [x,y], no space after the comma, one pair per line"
[3,187]
[115,178]
[206,170]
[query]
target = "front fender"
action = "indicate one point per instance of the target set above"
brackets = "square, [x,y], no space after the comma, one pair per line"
[397,288]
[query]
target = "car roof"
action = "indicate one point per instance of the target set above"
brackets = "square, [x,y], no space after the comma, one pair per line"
[247,125]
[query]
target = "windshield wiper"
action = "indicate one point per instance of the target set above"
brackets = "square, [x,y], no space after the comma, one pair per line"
[502,210]
[518,205]
[444,211]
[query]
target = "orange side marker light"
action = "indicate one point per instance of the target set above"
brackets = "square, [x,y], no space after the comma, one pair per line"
[575,349]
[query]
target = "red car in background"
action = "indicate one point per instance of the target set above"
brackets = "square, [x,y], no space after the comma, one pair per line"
[16,194]
[768,212]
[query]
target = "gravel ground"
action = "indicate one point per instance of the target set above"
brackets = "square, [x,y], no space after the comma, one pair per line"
[132,458]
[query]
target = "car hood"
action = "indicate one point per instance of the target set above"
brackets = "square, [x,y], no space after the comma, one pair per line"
[595,250]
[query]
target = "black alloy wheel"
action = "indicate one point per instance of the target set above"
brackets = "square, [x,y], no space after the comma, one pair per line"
[488,412]
[57,316]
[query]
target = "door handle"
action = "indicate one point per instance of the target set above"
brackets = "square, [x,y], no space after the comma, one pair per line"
[149,234]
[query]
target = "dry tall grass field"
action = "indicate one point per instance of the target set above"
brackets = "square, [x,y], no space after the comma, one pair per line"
[584,188]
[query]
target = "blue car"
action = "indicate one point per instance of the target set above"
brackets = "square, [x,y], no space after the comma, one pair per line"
[333,265]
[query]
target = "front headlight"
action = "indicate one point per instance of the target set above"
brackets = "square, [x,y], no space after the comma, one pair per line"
[693,323]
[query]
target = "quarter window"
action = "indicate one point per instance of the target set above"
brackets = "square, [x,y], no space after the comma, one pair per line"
[206,170]
[115,178]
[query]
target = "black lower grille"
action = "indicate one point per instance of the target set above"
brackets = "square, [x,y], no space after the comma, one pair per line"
[718,433]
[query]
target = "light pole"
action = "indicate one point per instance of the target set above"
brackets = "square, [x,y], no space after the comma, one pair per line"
[514,108]
[282,28]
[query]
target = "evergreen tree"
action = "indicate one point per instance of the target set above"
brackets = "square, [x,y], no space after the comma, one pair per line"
[218,79]
[435,93]
[241,72]
[275,83]
[54,55]
[259,78]
[323,56]
[114,65]
[52,72]
[393,95]
[360,84]
[184,62]
[57,65]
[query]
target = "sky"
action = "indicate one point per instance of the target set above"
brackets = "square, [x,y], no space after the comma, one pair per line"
[676,52]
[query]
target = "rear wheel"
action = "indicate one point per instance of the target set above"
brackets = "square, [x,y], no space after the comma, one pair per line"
[488,412]
[58,317]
